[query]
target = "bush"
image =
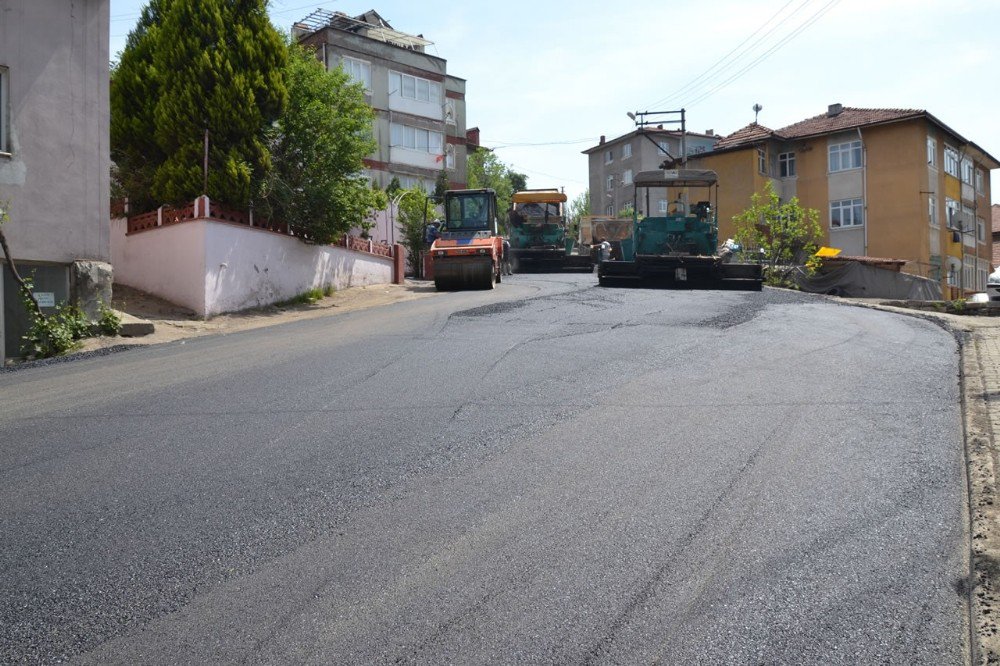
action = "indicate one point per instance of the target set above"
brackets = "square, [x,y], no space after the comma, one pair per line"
[57,333]
[109,323]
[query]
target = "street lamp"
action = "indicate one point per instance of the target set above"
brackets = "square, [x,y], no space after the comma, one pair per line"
[645,119]
[392,212]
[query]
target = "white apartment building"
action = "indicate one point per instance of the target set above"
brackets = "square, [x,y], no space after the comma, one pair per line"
[420,108]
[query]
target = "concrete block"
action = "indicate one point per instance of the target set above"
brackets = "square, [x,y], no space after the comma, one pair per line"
[133,327]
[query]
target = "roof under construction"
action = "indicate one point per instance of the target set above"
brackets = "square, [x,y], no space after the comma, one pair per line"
[369,24]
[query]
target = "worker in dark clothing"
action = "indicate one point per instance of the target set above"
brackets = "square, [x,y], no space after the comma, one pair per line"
[505,267]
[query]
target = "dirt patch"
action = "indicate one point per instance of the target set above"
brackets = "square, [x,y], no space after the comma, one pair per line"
[173,322]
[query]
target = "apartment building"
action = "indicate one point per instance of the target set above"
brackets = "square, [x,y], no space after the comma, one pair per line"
[995,213]
[54,156]
[893,183]
[612,164]
[420,121]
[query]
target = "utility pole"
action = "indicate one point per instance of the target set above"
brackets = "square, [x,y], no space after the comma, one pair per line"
[204,168]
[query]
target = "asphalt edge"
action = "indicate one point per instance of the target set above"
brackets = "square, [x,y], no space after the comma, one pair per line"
[981,588]
[981,466]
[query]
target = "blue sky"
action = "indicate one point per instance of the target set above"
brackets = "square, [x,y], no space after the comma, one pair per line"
[557,75]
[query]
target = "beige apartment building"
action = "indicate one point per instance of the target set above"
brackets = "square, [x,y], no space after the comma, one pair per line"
[890,183]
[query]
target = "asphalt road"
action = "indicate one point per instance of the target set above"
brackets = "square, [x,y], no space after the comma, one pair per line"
[552,472]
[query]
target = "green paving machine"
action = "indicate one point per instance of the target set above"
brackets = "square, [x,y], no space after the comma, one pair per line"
[539,241]
[677,247]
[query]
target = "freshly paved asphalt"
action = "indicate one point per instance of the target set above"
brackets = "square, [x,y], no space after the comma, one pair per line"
[550,473]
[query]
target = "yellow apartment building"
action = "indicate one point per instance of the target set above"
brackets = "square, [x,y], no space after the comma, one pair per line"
[891,183]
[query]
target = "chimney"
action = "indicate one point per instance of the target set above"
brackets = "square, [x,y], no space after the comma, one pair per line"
[472,137]
[710,132]
[834,110]
[602,141]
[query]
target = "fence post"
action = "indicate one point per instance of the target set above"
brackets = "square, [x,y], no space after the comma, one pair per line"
[159,216]
[398,264]
[208,205]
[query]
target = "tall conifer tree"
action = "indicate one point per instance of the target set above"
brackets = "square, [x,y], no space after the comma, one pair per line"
[192,66]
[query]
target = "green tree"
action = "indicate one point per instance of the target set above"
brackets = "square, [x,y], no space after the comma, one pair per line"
[580,206]
[487,171]
[135,88]
[413,210]
[786,232]
[393,187]
[317,148]
[191,66]
[441,184]
[518,181]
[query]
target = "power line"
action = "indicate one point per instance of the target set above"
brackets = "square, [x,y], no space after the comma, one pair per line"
[795,33]
[499,143]
[726,57]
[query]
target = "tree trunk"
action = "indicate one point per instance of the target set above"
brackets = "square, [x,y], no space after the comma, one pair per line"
[17,276]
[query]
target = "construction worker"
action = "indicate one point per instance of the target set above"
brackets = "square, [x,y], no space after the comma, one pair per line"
[604,250]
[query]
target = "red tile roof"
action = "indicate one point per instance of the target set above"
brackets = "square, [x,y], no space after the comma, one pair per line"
[847,119]
[752,133]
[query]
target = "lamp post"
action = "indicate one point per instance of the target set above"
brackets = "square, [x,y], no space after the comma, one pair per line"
[645,119]
[392,213]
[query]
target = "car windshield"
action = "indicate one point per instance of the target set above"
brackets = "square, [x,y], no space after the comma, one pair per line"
[468,213]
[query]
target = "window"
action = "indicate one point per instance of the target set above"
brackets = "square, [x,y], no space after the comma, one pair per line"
[932,151]
[359,71]
[628,207]
[980,230]
[626,151]
[627,177]
[415,138]
[967,171]
[951,209]
[980,180]
[412,87]
[968,226]
[662,206]
[762,160]
[664,148]
[609,157]
[932,210]
[409,182]
[449,111]
[844,156]
[950,161]
[786,165]
[449,157]
[611,183]
[4,110]
[846,213]
[610,211]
